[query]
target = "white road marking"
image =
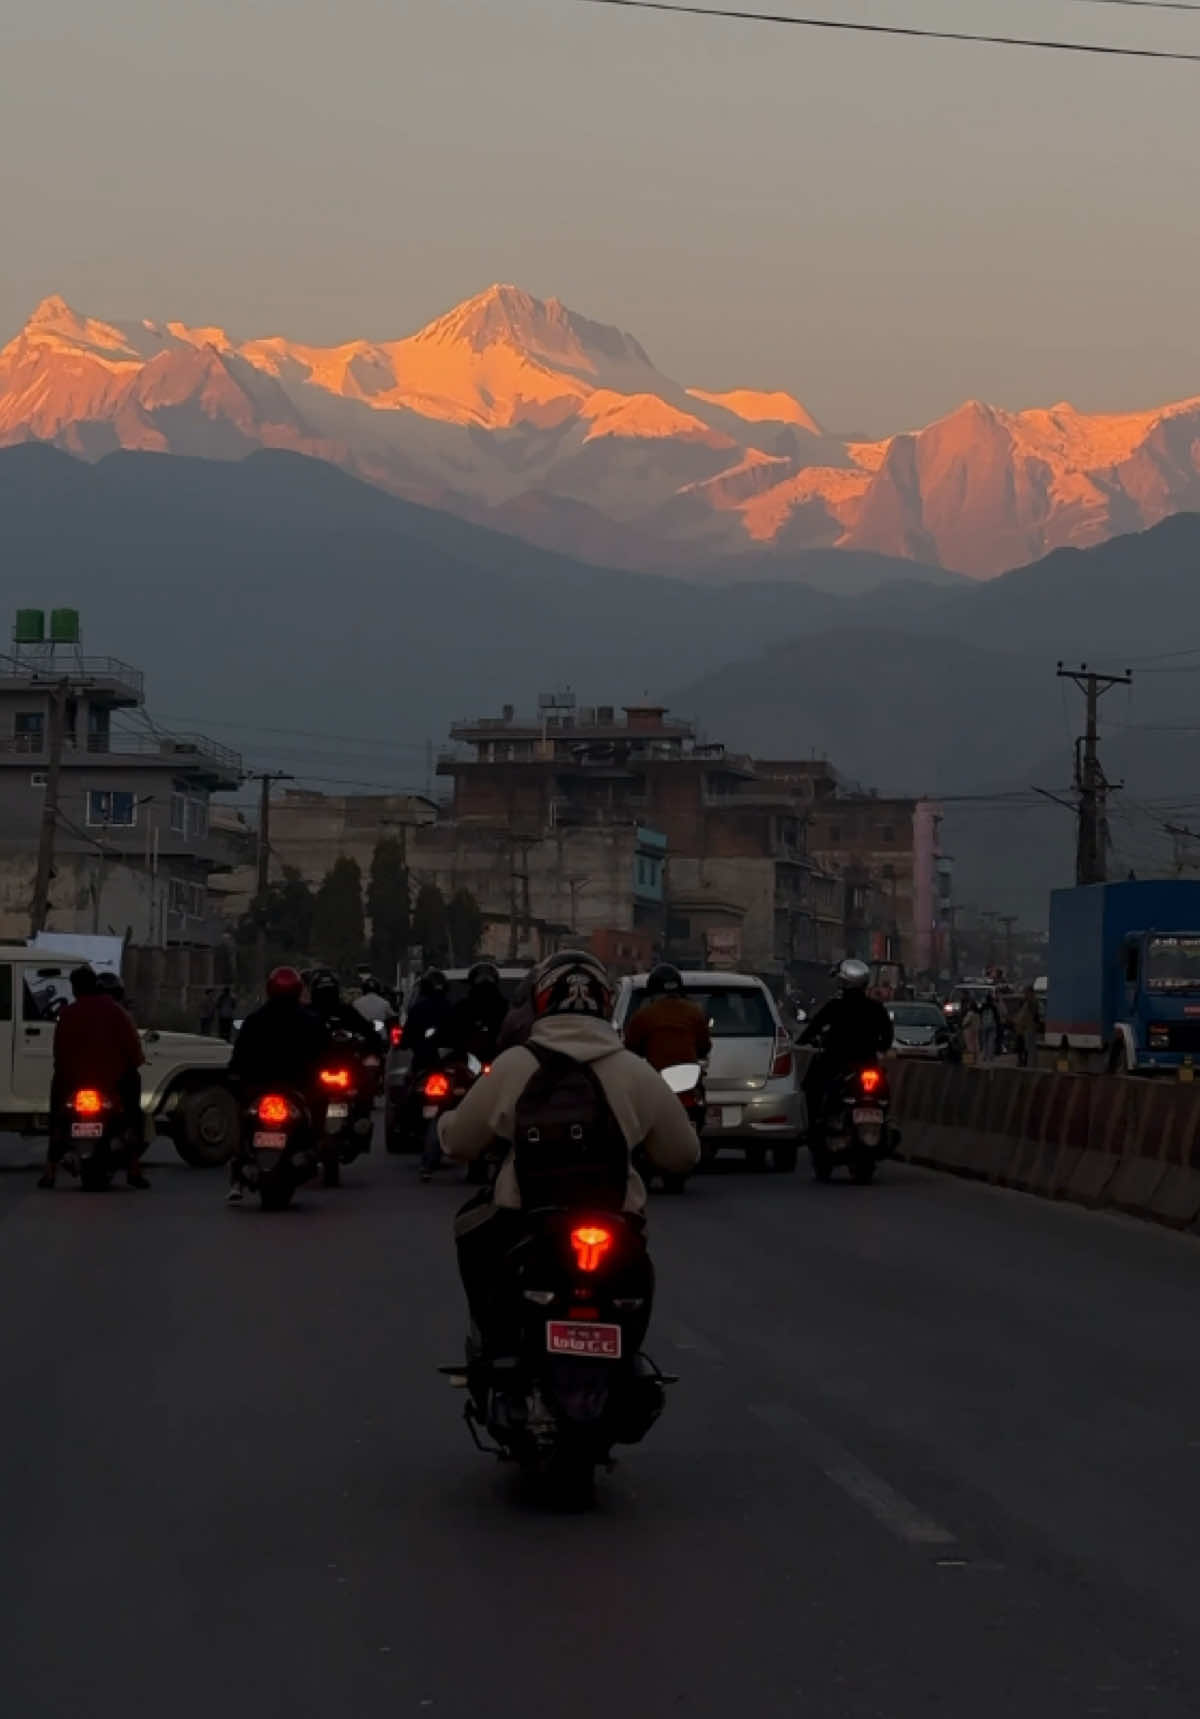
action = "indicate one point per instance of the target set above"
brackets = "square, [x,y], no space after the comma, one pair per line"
[691,1342]
[896,1513]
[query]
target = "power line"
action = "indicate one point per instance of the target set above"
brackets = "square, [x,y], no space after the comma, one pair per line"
[1148,5]
[1110,49]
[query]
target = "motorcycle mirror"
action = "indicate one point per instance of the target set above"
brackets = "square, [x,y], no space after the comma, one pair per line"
[683,1077]
[473,1064]
[430,1032]
[800,1016]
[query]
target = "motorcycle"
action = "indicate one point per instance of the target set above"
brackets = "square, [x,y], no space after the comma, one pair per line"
[439,1089]
[574,1297]
[686,1080]
[854,1129]
[279,1151]
[95,1145]
[345,1083]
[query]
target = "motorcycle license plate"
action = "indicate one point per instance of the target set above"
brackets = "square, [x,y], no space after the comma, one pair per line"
[590,1342]
[87,1130]
[429,1112]
[270,1142]
[338,1112]
[868,1118]
[731,1116]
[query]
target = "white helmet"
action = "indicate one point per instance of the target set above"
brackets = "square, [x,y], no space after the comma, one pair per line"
[854,975]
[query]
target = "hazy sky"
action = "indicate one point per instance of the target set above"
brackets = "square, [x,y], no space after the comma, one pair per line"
[882,227]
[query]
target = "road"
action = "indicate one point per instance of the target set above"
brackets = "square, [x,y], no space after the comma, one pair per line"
[935,1452]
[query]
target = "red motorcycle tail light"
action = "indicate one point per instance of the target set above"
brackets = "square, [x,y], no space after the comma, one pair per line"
[87,1102]
[336,1079]
[437,1085]
[871,1079]
[591,1242]
[273,1107]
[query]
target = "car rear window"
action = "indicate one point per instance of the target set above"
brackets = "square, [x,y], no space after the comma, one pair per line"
[916,1015]
[734,1012]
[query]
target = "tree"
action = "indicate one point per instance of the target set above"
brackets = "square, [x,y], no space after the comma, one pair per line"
[284,914]
[387,904]
[464,926]
[338,931]
[429,924]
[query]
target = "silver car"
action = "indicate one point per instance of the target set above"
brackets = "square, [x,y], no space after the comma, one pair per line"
[753,1094]
[922,1031]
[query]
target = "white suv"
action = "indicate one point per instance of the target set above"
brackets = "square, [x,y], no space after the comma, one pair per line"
[754,1099]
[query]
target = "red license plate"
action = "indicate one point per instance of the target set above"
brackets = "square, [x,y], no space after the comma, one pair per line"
[868,1118]
[589,1342]
[87,1130]
[269,1142]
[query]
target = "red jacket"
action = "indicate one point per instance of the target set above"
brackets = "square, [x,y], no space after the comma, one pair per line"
[95,1044]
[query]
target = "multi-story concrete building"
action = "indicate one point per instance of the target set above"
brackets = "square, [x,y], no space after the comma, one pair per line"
[133,850]
[888,852]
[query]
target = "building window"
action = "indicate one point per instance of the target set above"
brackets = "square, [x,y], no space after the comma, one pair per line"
[29,730]
[179,813]
[197,818]
[889,872]
[37,778]
[114,807]
[185,899]
[889,834]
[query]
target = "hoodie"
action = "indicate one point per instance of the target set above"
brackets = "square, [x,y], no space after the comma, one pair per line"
[647,1112]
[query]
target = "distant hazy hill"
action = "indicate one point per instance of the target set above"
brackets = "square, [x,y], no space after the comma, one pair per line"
[278,592]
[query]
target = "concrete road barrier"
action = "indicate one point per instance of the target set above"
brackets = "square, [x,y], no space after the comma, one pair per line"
[1099,1140]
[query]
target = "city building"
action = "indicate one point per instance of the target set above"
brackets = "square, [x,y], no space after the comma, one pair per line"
[133,850]
[887,851]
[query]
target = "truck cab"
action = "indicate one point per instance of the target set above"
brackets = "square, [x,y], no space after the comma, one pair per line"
[1158,1023]
[185,1084]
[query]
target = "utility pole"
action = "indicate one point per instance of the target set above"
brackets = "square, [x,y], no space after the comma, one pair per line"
[1091,785]
[265,778]
[45,860]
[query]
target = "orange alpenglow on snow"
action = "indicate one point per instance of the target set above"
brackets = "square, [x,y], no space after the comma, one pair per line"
[522,412]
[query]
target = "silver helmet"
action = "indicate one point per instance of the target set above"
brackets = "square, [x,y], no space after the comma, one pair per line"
[854,975]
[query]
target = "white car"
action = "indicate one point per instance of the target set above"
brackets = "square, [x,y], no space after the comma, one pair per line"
[753,1095]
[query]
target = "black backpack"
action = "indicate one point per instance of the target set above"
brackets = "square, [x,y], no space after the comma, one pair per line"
[568,1148]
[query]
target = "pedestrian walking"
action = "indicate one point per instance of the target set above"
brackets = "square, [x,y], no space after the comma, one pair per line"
[226,1010]
[208,1012]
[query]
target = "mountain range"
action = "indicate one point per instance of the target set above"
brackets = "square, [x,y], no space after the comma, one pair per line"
[333,630]
[520,414]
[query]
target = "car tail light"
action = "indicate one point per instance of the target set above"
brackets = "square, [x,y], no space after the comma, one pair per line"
[782,1066]
[870,1079]
[437,1085]
[274,1108]
[87,1102]
[336,1079]
[591,1242]
[397,1036]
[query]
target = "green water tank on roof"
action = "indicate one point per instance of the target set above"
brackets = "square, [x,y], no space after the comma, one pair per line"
[64,626]
[30,627]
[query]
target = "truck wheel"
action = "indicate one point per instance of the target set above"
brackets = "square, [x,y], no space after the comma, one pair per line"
[207,1127]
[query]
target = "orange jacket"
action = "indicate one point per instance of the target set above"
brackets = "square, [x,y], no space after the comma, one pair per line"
[669,1030]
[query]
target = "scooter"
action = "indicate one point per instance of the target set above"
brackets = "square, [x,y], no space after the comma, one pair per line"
[279,1152]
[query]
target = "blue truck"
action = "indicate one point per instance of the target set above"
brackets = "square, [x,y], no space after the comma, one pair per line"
[1125,972]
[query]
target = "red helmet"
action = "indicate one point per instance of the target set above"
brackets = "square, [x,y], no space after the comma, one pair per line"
[285,982]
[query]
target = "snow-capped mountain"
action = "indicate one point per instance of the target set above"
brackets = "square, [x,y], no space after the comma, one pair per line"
[524,414]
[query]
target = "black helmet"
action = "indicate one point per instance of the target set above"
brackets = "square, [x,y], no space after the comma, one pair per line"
[573,982]
[324,990]
[433,982]
[663,980]
[483,973]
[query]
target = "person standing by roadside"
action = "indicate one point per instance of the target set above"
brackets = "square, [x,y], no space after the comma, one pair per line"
[971,1024]
[208,1013]
[226,1009]
[1028,1025]
[989,1029]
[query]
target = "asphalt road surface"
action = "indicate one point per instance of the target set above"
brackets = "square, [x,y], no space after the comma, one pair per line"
[936,1450]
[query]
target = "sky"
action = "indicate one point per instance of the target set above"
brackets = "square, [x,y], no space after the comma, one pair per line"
[882,227]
